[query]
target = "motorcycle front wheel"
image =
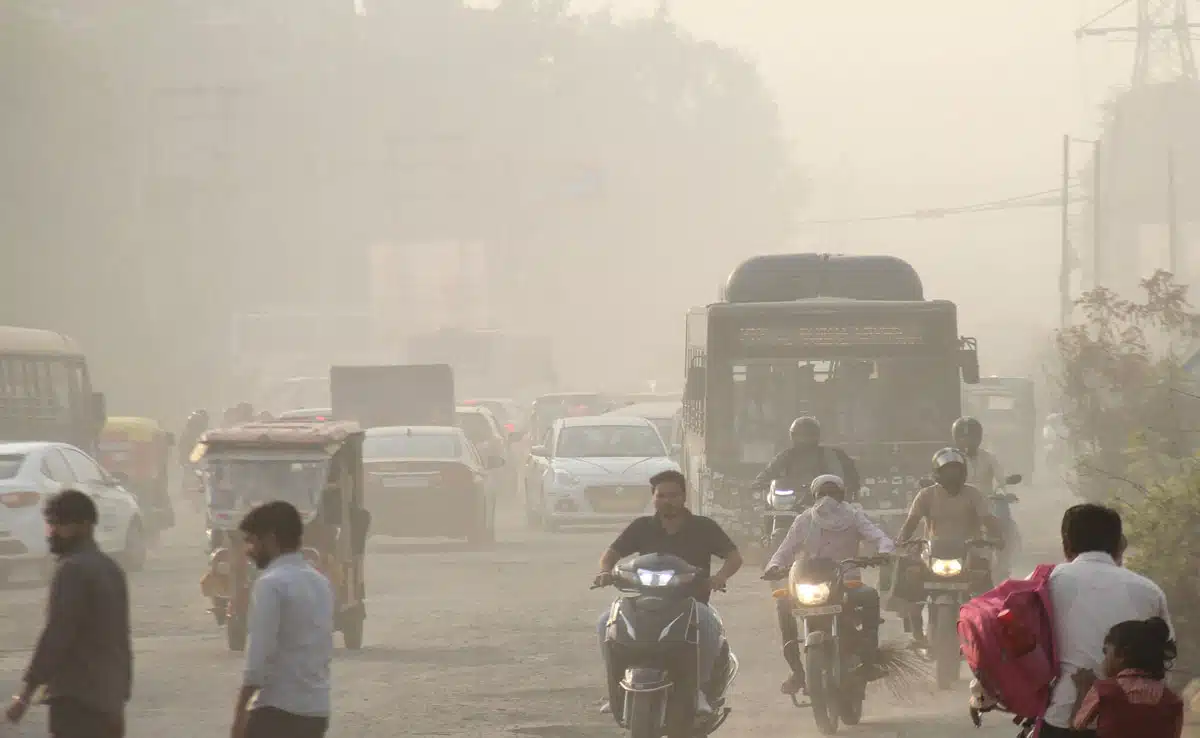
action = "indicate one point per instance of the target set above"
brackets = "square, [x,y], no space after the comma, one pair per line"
[822,688]
[646,714]
[945,646]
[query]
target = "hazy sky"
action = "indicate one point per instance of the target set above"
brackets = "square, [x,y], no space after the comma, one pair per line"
[895,106]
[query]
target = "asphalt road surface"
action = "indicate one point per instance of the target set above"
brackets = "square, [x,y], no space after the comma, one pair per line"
[479,644]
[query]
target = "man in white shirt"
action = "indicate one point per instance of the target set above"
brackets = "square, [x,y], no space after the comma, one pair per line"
[1090,594]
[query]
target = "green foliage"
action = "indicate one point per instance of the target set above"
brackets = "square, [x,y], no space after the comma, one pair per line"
[1131,412]
[1121,381]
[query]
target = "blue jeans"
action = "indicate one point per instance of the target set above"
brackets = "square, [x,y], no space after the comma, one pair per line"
[710,631]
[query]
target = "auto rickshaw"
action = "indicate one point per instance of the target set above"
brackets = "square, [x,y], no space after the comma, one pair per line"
[138,452]
[315,466]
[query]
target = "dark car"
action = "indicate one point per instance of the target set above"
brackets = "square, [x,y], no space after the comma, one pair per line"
[428,481]
[552,407]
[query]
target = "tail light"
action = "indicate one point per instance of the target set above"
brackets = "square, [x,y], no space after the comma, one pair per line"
[20,499]
[509,427]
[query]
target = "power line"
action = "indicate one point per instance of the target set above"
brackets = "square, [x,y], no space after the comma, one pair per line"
[1045,198]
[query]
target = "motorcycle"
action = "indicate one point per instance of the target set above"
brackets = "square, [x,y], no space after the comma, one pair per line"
[949,573]
[832,639]
[651,649]
[783,506]
[1002,501]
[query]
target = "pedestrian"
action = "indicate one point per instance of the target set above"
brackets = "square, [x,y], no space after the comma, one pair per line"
[290,633]
[1134,699]
[84,656]
[1089,595]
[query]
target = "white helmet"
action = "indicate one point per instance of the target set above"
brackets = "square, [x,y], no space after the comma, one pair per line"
[824,479]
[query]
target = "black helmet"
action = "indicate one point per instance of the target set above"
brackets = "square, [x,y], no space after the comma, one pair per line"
[967,428]
[805,424]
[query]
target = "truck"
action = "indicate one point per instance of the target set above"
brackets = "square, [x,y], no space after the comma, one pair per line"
[380,396]
[489,362]
[850,340]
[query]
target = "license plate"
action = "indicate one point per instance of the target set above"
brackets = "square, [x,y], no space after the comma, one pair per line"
[826,610]
[404,482]
[948,586]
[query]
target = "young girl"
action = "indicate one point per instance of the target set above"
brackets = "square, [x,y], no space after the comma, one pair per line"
[1134,702]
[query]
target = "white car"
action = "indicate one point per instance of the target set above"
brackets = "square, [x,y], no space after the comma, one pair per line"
[32,472]
[594,470]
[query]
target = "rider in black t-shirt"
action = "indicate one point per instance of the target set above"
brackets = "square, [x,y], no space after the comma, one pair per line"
[674,530]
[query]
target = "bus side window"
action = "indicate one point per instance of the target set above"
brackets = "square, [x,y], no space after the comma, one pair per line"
[67,402]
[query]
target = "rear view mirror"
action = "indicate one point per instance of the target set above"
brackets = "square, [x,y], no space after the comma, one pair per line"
[1013,479]
[539,451]
[968,360]
[676,449]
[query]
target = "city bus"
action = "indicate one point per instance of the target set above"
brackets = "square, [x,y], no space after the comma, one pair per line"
[45,391]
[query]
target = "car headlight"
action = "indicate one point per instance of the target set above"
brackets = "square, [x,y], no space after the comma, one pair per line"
[812,594]
[782,499]
[564,478]
[652,578]
[946,567]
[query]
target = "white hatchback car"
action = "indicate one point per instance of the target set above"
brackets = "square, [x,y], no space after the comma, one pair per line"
[32,472]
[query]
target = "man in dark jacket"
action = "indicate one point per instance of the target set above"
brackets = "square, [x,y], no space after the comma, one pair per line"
[807,459]
[84,656]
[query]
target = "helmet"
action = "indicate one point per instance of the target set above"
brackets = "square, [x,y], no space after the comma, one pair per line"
[824,479]
[806,423]
[967,428]
[948,456]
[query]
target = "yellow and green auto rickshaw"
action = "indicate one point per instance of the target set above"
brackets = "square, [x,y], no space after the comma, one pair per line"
[137,451]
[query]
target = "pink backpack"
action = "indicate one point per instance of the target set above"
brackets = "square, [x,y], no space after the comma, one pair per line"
[1007,638]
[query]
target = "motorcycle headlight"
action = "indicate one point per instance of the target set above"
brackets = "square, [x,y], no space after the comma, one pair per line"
[946,567]
[783,499]
[652,578]
[811,594]
[564,478]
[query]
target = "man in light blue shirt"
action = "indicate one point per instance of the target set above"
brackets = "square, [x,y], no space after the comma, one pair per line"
[290,632]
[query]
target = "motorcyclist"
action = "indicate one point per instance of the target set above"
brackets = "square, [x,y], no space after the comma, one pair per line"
[193,428]
[831,529]
[983,468]
[675,530]
[951,509]
[807,459]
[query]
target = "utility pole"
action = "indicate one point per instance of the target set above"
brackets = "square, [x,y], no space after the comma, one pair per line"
[1173,245]
[1064,271]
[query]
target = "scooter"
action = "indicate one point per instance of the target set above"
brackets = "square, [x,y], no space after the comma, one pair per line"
[783,507]
[1002,501]
[651,648]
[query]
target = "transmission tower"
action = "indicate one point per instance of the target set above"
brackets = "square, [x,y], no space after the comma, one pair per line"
[1164,40]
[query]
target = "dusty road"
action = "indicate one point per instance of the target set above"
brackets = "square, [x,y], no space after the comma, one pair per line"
[478,644]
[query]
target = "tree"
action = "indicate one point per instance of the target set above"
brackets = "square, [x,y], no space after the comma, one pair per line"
[1131,411]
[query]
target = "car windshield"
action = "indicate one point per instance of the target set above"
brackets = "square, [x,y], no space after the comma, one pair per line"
[477,428]
[609,440]
[255,481]
[10,465]
[416,446]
